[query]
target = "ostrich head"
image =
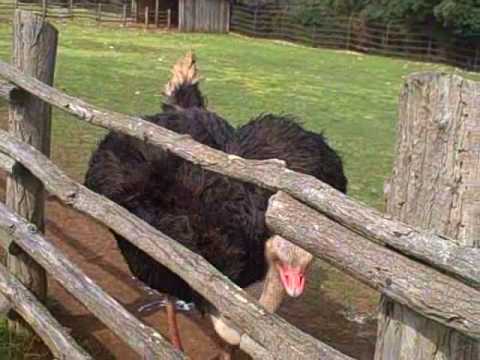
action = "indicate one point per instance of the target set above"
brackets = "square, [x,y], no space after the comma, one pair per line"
[290,263]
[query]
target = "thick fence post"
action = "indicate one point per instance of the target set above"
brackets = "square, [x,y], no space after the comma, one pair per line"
[435,185]
[169,19]
[157,7]
[34,52]
[71,9]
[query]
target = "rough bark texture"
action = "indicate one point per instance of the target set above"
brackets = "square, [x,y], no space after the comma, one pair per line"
[147,342]
[62,345]
[446,255]
[34,52]
[434,186]
[423,289]
[269,330]
[7,163]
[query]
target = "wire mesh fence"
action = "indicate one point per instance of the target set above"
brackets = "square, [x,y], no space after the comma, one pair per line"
[352,33]
[86,10]
[285,22]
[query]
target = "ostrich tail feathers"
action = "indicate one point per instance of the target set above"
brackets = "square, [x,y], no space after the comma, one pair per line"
[184,73]
[182,91]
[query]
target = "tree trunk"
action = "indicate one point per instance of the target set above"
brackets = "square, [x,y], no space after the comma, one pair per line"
[434,187]
[34,52]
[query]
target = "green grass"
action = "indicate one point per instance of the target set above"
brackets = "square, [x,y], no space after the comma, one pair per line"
[351,97]
[19,348]
[4,344]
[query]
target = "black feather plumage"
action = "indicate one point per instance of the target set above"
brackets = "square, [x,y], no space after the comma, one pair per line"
[220,218]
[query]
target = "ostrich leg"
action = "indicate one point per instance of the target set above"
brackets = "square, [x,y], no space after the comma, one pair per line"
[172,323]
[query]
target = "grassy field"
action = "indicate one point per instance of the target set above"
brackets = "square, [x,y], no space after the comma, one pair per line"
[351,97]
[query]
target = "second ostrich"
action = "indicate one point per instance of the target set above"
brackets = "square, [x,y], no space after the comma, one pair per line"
[220,218]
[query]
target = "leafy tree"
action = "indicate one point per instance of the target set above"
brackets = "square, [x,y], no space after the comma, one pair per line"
[462,17]
[458,17]
[410,11]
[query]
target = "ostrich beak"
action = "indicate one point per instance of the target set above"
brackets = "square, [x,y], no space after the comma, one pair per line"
[293,280]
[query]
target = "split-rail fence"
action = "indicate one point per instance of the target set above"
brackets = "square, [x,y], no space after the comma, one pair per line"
[435,277]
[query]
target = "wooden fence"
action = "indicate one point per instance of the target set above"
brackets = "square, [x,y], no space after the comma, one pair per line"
[126,15]
[352,33]
[430,274]
[280,22]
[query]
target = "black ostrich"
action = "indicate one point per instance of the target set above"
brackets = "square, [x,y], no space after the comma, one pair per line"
[220,218]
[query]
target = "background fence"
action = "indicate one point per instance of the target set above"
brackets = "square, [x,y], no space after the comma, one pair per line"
[126,14]
[286,22]
[291,23]
[412,267]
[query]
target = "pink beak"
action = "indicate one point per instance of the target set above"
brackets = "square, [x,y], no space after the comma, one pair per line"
[293,280]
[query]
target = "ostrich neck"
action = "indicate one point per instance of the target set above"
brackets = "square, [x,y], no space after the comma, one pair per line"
[271,298]
[273,291]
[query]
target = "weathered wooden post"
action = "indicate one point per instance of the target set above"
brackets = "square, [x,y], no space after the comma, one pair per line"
[255,19]
[349,33]
[385,39]
[157,7]
[229,9]
[146,17]
[435,185]
[34,52]
[430,44]
[314,34]
[71,9]
[477,58]
[99,13]
[169,19]
[44,8]
[124,15]
[136,8]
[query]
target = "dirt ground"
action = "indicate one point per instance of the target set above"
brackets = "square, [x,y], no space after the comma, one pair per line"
[93,248]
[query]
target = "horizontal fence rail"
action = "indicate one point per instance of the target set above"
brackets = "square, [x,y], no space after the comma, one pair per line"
[269,330]
[414,267]
[364,222]
[39,318]
[143,339]
[288,22]
[265,333]
[404,280]
[284,22]
[433,249]
[99,12]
